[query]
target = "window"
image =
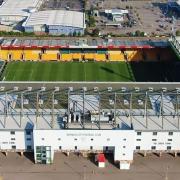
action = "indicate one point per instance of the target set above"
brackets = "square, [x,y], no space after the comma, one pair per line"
[138,139]
[154,139]
[75,139]
[170,133]
[124,139]
[29,147]
[106,148]
[92,139]
[169,139]
[137,147]
[59,139]
[124,154]
[139,133]
[168,147]
[42,139]
[91,147]
[4,142]
[28,132]
[154,133]
[108,139]
[13,139]
[60,147]
[75,147]
[124,146]
[153,147]
[28,139]
[12,132]
[13,147]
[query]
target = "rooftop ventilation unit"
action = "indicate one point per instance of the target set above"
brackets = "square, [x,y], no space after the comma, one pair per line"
[2,88]
[150,89]
[123,89]
[16,88]
[43,88]
[56,89]
[137,89]
[96,89]
[70,89]
[109,89]
[164,89]
[29,88]
[84,88]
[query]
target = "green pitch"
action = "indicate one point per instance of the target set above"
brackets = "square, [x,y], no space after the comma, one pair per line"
[67,71]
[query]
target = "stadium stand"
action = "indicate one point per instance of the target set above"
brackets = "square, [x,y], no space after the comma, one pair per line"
[150,55]
[116,55]
[89,55]
[32,55]
[63,50]
[134,55]
[50,55]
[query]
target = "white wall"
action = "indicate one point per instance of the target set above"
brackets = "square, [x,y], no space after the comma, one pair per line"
[122,140]
[20,140]
[161,142]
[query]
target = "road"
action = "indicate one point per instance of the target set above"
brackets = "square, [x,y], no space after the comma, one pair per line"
[152,167]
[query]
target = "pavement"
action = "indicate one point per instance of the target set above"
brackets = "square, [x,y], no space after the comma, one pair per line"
[152,167]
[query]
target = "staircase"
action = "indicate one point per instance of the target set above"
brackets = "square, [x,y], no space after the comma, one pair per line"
[175,44]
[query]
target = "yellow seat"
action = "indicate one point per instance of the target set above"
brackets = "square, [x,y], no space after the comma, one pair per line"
[50,55]
[116,56]
[16,54]
[77,56]
[66,57]
[31,55]
[4,54]
[100,57]
[89,56]
[134,55]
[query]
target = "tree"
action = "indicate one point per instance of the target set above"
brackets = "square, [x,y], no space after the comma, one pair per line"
[74,33]
[79,33]
[95,32]
[138,33]
[178,33]
[91,21]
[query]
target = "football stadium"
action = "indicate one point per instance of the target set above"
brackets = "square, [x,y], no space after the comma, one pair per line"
[96,104]
[88,60]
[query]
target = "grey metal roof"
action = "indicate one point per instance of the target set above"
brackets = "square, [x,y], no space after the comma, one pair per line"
[56,17]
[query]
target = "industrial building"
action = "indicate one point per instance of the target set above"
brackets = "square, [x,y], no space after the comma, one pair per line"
[117,118]
[56,22]
[15,11]
[86,50]
[117,15]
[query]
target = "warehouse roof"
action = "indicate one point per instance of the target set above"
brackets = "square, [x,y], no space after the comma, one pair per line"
[18,7]
[56,17]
